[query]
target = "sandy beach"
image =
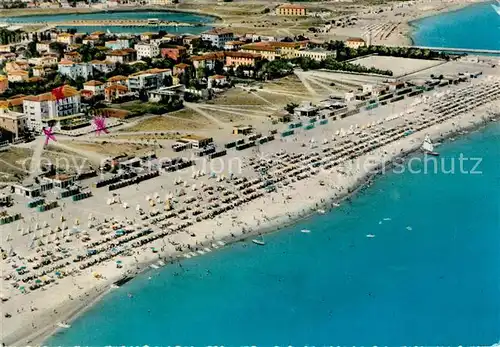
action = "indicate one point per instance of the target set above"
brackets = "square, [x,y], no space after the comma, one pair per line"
[303,188]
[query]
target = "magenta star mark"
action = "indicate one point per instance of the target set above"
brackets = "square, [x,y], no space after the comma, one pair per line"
[49,135]
[100,125]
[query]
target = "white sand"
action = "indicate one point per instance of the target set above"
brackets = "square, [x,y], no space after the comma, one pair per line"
[68,296]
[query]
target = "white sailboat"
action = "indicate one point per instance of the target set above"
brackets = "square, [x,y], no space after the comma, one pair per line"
[496,7]
[428,147]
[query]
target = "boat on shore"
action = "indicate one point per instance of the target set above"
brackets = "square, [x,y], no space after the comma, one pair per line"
[122,281]
[259,242]
[428,147]
[496,7]
[63,325]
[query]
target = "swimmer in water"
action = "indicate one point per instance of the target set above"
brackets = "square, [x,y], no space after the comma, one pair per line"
[129,295]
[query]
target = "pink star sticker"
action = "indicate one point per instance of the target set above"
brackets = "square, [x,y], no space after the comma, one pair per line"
[100,125]
[49,135]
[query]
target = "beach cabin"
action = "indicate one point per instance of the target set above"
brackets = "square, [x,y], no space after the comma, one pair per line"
[306,110]
[242,129]
[61,180]
[198,141]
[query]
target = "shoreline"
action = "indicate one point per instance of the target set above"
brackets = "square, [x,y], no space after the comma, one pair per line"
[362,182]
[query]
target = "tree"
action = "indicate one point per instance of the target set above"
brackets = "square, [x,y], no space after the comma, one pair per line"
[291,107]
[167,81]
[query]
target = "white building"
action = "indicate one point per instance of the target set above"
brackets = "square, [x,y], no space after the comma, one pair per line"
[74,70]
[41,108]
[96,87]
[218,37]
[317,54]
[118,44]
[43,46]
[148,79]
[104,66]
[66,38]
[147,50]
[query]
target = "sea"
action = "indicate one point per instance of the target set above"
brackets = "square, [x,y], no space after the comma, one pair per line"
[428,275]
[183,17]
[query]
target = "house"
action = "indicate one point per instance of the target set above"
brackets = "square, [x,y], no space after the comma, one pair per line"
[4,84]
[148,36]
[317,54]
[207,60]
[18,65]
[42,108]
[217,81]
[166,94]
[355,42]
[242,129]
[265,50]
[91,41]
[306,109]
[198,141]
[189,39]
[66,38]
[218,37]
[114,92]
[160,2]
[118,44]
[38,71]
[236,59]
[119,79]
[18,76]
[180,68]
[104,66]
[230,45]
[43,46]
[122,56]
[146,50]
[175,53]
[95,87]
[7,56]
[148,79]
[291,10]
[73,56]
[13,122]
[46,60]
[74,70]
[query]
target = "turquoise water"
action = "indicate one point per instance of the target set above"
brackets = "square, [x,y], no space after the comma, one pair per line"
[477,26]
[436,284]
[124,15]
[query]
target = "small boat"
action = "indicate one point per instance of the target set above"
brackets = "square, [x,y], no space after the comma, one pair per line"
[428,147]
[259,242]
[335,204]
[320,211]
[154,266]
[306,231]
[386,219]
[114,286]
[370,236]
[63,325]
[409,228]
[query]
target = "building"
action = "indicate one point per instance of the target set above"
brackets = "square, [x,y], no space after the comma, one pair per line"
[122,56]
[217,81]
[119,79]
[160,2]
[242,130]
[148,79]
[233,45]
[75,57]
[39,109]
[175,53]
[18,65]
[180,68]
[236,59]
[104,66]
[146,50]
[18,76]
[218,37]
[95,87]
[118,44]
[208,60]
[74,70]
[355,42]
[91,41]
[46,60]
[148,36]
[66,38]
[15,123]
[43,46]
[114,92]
[291,10]
[317,54]
[198,141]
[166,94]
[4,83]
[38,71]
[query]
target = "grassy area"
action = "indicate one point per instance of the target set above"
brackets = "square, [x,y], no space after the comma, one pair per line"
[110,148]
[237,96]
[13,163]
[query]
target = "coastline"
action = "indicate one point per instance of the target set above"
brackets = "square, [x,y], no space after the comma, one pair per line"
[67,311]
